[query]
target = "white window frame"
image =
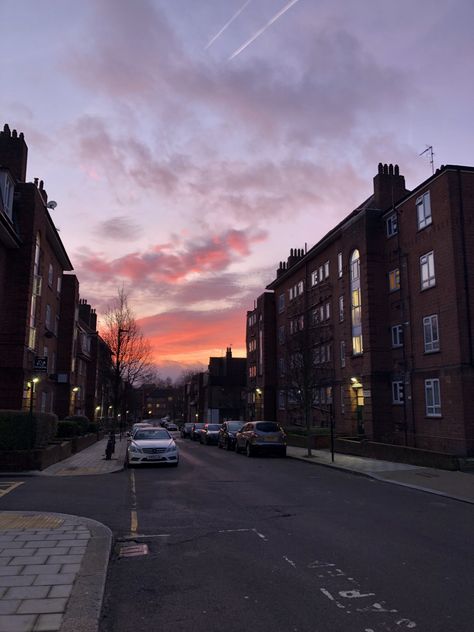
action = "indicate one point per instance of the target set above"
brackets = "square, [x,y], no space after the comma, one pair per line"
[423,210]
[328,311]
[394,280]
[391,224]
[341,309]
[339,264]
[427,270]
[326,269]
[431,333]
[50,275]
[433,397]
[314,278]
[398,392]
[300,287]
[397,336]
[343,353]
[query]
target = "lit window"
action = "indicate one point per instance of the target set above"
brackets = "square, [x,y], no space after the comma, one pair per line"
[432,398]
[423,210]
[397,336]
[431,333]
[391,224]
[394,280]
[356,304]
[427,271]
[398,392]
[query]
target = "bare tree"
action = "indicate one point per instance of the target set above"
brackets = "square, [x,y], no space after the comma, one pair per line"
[130,349]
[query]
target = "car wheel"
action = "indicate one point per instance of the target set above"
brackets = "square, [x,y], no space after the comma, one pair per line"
[283,452]
[228,445]
[249,450]
[236,448]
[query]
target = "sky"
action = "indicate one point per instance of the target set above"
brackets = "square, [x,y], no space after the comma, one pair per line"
[189,144]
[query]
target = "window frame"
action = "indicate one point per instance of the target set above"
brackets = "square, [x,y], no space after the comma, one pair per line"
[431,345]
[398,392]
[391,225]
[397,336]
[433,409]
[427,265]
[423,204]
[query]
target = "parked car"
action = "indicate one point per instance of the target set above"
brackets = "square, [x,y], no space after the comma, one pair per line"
[226,438]
[209,434]
[138,426]
[171,427]
[186,430]
[196,430]
[261,436]
[152,445]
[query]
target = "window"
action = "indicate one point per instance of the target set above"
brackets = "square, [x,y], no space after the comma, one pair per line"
[431,333]
[339,264]
[281,400]
[253,371]
[343,353]
[423,210]
[391,224]
[281,303]
[300,287]
[341,309]
[427,271]
[58,285]
[398,392]
[314,278]
[356,304]
[252,320]
[281,367]
[47,319]
[50,275]
[397,336]
[394,280]
[342,400]
[281,334]
[328,311]
[432,398]
[326,270]
[321,273]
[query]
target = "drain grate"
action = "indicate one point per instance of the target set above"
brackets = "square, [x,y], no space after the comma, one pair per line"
[133,550]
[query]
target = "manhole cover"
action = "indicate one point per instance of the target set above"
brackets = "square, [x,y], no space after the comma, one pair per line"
[133,550]
[17,521]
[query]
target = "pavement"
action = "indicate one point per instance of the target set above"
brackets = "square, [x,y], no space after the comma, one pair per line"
[53,567]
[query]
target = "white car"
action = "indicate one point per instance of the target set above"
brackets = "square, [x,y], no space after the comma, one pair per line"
[152,445]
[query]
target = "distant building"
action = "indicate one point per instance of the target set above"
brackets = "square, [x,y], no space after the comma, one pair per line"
[384,303]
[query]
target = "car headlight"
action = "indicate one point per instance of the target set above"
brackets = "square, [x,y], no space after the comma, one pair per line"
[172,448]
[134,448]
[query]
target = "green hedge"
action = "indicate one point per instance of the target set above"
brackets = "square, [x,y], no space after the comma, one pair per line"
[20,430]
[315,431]
[75,426]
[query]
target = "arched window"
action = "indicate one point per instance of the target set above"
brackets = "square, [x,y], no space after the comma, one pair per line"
[356,303]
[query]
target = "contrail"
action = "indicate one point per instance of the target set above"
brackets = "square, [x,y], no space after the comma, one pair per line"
[263,29]
[227,24]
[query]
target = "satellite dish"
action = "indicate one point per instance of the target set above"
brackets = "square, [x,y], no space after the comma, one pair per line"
[51,204]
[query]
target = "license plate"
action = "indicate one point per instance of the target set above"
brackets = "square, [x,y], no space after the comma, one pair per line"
[155,458]
[273,439]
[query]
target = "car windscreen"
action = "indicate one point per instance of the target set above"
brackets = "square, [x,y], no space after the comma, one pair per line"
[141,435]
[213,426]
[234,425]
[267,426]
[197,426]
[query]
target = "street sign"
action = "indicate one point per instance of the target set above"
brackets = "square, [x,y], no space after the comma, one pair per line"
[40,363]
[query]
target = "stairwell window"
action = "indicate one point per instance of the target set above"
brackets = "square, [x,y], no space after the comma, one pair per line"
[427,271]
[423,210]
[398,392]
[397,336]
[432,398]
[356,304]
[391,224]
[394,280]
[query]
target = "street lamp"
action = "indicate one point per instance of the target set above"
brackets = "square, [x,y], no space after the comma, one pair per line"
[32,386]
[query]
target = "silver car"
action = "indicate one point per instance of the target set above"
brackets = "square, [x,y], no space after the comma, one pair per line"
[261,437]
[152,445]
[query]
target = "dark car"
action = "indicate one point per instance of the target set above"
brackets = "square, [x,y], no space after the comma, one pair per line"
[261,437]
[226,438]
[186,430]
[209,434]
[196,430]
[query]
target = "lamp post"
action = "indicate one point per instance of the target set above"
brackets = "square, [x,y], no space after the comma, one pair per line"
[32,386]
[75,391]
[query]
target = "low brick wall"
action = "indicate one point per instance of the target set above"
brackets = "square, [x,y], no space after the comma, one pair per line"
[397,453]
[317,441]
[41,458]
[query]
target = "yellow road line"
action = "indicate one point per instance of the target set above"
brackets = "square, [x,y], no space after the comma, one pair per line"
[8,486]
[133,512]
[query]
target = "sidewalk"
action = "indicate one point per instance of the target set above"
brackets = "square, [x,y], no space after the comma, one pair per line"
[455,485]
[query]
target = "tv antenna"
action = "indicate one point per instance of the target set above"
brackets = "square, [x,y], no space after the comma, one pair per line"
[430,149]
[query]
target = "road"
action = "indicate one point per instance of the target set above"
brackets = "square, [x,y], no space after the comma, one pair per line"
[273,545]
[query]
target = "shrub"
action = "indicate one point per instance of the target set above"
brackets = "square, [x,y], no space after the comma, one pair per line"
[67,429]
[20,430]
[82,422]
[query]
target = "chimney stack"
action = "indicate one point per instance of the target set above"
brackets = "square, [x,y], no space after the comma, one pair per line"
[389,186]
[13,153]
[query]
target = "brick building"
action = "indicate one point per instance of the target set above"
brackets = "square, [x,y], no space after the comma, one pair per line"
[378,318]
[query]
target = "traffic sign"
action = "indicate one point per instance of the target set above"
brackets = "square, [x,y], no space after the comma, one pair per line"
[40,363]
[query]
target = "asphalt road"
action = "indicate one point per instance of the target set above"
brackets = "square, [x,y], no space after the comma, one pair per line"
[272,545]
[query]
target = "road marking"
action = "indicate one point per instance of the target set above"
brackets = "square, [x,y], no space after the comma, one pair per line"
[235,530]
[133,550]
[8,486]
[133,512]
[287,559]
[260,535]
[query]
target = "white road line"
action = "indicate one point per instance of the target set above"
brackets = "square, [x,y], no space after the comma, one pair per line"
[289,561]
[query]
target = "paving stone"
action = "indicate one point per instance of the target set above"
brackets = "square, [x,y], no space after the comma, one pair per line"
[48,623]
[4,561]
[60,536]
[28,537]
[46,580]
[17,580]
[39,606]
[17,622]
[27,592]
[9,570]
[65,559]
[7,538]
[15,552]
[70,568]
[41,569]
[41,544]
[58,591]
[33,559]
[9,606]
[76,550]
[84,536]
